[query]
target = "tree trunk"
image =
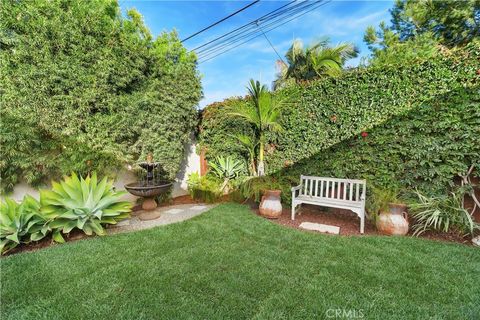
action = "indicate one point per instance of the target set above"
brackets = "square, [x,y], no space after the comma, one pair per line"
[261,165]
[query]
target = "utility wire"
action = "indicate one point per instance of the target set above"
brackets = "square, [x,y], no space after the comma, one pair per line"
[271,45]
[254,27]
[273,26]
[255,30]
[239,28]
[220,21]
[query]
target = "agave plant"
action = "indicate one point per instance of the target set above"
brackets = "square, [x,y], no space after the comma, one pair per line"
[85,204]
[226,168]
[20,223]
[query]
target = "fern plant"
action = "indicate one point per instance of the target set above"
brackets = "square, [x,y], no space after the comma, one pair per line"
[85,204]
[20,223]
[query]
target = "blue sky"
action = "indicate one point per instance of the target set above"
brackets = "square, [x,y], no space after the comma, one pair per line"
[228,74]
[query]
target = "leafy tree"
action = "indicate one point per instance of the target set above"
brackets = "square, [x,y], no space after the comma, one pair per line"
[419,27]
[263,115]
[314,61]
[84,88]
[452,22]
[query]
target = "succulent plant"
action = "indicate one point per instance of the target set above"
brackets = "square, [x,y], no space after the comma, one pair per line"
[85,204]
[20,223]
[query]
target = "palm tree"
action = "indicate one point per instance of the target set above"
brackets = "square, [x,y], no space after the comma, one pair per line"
[263,115]
[250,145]
[314,61]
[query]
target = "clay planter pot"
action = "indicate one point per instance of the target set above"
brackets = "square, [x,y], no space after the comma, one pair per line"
[394,222]
[271,206]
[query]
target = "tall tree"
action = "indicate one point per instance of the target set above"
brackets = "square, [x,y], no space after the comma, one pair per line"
[314,61]
[420,24]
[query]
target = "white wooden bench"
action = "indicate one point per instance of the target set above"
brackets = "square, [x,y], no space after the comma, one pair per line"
[331,192]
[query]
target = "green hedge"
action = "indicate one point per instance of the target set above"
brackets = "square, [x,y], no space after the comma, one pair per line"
[84,88]
[422,123]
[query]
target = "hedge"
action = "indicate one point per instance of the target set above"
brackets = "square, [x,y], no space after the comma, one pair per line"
[84,88]
[422,123]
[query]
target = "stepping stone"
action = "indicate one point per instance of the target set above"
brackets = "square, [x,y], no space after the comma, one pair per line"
[325,228]
[174,211]
[198,207]
[122,223]
[149,215]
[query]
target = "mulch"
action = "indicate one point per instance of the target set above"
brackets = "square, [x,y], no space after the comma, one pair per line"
[348,222]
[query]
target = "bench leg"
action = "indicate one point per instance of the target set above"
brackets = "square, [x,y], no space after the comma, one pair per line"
[293,210]
[362,222]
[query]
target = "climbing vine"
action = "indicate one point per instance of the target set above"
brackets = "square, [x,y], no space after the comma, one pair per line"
[84,88]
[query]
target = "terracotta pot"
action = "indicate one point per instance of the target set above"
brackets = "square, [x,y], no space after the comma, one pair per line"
[394,222]
[271,206]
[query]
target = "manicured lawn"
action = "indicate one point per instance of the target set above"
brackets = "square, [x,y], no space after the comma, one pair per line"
[228,263]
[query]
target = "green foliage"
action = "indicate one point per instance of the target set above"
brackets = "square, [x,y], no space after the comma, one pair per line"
[444,213]
[420,27]
[263,115]
[226,168]
[85,89]
[20,223]
[85,204]
[314,61]
[378,200]
[453,22]
[422,123]
[204,188]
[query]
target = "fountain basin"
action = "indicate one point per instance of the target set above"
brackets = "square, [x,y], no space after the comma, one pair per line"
[145,190]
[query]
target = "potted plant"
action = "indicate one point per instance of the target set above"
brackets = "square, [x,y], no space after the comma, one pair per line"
[392,216]
[269,189]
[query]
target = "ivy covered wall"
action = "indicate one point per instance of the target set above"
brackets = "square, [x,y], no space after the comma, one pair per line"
[420,125]
[84,88]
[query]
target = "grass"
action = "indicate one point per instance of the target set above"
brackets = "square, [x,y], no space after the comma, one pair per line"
[229,263]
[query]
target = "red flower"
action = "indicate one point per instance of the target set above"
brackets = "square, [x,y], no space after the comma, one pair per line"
[364,134]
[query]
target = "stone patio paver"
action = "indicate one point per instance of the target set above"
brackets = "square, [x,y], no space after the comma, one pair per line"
[168,215]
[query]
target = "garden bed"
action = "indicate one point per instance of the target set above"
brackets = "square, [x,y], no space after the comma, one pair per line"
[348,223]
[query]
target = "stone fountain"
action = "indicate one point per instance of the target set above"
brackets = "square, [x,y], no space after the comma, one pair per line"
[150,186]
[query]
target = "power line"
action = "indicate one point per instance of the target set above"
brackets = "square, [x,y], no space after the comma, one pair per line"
[271,19]
[220,21]
[271,45]
[293,11]
[239,28]
[271,26]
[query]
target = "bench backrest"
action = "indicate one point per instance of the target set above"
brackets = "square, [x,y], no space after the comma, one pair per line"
[333,188]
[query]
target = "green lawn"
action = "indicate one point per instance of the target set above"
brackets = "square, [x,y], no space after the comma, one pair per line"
[229,263]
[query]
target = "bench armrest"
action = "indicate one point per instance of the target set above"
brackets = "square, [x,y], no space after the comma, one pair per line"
[296,188]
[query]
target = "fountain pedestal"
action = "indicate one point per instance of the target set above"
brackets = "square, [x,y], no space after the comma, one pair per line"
[149,204]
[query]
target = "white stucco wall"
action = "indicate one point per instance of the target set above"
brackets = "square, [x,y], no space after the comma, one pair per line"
[190,164]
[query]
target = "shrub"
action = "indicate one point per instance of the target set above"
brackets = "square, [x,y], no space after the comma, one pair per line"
[85,88]
[20,223]
[84,204]
[444,213]
[204,188]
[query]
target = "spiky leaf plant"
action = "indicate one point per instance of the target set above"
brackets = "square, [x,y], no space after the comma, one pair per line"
[226,168]
[85,204]
[20,223]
